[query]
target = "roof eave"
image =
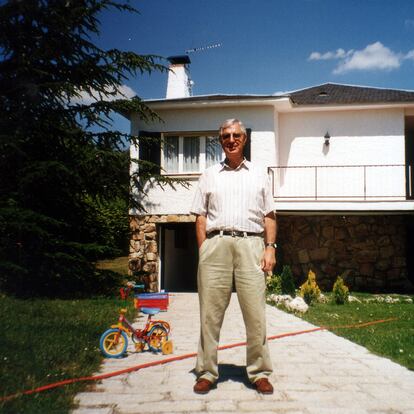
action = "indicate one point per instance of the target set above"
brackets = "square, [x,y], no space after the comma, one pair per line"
[212,103]
[351,106]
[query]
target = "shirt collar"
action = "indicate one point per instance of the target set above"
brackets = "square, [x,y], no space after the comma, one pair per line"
[243,164]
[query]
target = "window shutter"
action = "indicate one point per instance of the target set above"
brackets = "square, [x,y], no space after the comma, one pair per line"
[151,150]
[247,149]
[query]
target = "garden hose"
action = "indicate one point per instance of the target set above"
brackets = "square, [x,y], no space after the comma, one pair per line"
[179,358]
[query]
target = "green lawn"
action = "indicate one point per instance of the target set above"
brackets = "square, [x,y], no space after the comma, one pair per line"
[118,265]
[45,341]
[394,340]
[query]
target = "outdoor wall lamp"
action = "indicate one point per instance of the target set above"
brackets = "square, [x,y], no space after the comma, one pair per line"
[327,138]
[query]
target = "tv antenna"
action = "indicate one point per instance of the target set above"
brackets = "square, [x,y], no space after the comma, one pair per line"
[195,50]
[202,48]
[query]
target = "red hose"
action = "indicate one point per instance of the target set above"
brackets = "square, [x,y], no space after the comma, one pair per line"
[178,358]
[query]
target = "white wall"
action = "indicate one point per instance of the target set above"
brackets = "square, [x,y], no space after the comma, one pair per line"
[357,137]
[263,147]
[364,137]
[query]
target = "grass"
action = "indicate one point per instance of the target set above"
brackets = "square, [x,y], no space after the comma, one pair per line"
[393,340]
[118,265]
[45,341]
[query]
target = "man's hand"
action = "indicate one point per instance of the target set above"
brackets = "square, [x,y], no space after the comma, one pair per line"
[268,261]
[269,256]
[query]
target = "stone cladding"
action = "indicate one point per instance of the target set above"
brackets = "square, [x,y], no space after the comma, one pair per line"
[369,252]
[144,249]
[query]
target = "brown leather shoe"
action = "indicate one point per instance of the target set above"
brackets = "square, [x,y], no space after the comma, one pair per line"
[263,386]
[202,386]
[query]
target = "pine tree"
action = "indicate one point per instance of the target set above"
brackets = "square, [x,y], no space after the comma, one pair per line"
[54,159]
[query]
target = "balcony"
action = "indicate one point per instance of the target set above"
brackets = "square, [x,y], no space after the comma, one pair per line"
[342,183]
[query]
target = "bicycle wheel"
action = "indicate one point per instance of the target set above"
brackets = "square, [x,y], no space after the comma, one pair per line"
[167,347]
[157,335]
[113,343]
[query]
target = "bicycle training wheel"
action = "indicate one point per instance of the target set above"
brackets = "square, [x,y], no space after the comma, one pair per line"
[167,347]
[157,335]
[113,343]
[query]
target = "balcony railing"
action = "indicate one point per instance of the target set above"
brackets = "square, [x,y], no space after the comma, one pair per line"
[343,182]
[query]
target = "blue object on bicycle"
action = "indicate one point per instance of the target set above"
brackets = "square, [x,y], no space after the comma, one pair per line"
[150,311]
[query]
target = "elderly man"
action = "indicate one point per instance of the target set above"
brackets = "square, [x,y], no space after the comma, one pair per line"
[236,234]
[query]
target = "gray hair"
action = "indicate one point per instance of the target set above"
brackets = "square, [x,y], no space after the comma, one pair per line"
[230,122]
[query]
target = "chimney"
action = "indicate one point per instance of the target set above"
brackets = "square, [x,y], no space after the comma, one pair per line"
[179,83]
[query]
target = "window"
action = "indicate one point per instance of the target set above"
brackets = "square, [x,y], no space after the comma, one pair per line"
[171,154]
[214,152]
[189,154]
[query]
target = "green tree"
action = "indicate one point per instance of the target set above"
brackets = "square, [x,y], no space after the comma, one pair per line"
[59,155]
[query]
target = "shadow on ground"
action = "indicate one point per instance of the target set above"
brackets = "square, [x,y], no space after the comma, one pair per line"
[231,372]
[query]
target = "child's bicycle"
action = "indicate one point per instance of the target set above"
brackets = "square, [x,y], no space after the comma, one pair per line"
[154,336]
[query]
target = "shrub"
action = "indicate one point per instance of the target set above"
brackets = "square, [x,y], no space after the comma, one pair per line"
[310,290]
[287,283]
[274,284]
[340,292]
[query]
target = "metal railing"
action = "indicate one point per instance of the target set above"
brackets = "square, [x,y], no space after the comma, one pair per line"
[343,182]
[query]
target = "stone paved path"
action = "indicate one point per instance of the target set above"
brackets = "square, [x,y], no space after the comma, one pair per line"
[314,373]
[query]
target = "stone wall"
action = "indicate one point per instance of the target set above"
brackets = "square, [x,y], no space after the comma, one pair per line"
[368,251]
[144,249]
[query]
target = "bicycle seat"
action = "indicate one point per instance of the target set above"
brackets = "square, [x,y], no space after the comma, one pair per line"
[150,311]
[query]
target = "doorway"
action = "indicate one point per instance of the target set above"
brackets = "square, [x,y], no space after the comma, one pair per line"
[179,257]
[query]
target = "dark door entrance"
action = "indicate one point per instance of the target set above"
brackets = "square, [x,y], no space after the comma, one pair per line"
[179,257]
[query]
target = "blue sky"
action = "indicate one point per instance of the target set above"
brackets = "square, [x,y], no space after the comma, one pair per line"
[270,46]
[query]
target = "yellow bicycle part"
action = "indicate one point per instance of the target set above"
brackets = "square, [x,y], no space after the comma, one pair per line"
[121,328]
[167,347]
[155,343]
[113,343]
[139,346]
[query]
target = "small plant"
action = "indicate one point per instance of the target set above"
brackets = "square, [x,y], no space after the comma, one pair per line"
[310,290]
[274,285]
[340,292]
[287,283]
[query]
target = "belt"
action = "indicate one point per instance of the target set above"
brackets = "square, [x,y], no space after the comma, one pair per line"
[232,233]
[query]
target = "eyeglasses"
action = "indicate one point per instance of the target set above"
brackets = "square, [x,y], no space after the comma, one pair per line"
[237,136]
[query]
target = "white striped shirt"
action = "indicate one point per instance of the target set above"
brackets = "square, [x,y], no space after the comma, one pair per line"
[234,199]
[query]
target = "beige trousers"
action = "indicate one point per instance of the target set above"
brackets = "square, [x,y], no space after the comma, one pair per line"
[220,258]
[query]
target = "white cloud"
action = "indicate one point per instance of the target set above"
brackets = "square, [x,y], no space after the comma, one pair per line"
[338,54]
[410,55]
[375,56]
[86,98]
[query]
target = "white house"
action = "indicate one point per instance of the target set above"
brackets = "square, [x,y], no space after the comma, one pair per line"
[342,163]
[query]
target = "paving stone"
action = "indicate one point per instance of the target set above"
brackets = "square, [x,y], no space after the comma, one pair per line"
[221,405]
[271,406]
[106,410]
[314,373]
[162,407]
[108,398]
[333,410]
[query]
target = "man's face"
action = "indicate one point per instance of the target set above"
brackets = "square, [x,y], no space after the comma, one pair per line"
[233,141]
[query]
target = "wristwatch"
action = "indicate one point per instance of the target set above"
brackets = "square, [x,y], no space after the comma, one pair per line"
[274,245]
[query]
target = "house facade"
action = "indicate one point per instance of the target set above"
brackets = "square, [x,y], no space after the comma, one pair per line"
[341,160]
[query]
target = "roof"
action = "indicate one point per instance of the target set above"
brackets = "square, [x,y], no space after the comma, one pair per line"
[218,97]
[320,95]
[331,93]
